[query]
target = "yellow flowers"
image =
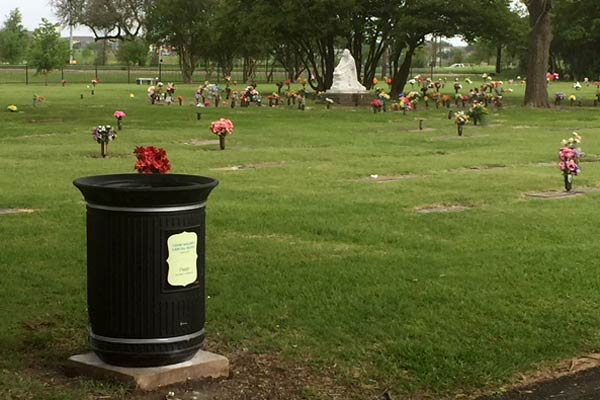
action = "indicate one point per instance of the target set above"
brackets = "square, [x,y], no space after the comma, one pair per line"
[12,108]
[460,118]
[574,140]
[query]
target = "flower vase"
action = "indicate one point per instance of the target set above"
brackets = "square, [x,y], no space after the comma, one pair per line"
[217,99]
[374,110]
[104,149]
[568,182]
[328,106]
[404,111]
[222,142]
[475,120]
[198,115]
[384,107]
[420,124]
[120,123]
[232,103]
[460,128]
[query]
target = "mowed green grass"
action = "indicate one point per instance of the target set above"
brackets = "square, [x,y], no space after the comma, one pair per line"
[307,256]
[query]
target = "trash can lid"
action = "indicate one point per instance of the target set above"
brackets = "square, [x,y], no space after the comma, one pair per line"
[145,190]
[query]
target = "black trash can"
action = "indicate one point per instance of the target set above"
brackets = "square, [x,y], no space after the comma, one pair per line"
[146,266]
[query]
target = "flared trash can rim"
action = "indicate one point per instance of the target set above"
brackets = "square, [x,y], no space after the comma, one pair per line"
[145,190]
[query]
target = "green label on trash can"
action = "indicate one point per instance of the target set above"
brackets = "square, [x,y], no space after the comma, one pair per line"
[182,259]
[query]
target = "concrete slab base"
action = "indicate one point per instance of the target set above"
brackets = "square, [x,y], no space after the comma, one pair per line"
[351,99]
[203,365]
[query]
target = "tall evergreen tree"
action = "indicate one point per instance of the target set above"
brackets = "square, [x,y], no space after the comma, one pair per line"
[14,39]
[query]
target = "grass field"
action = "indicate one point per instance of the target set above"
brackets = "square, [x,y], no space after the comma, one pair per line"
[308,257]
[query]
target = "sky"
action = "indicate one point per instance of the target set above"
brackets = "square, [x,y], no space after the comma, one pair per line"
[32,12]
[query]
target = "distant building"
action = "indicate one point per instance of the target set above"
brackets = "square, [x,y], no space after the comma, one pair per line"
[81,42]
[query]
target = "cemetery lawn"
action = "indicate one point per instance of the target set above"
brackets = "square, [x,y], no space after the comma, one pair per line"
[311,261]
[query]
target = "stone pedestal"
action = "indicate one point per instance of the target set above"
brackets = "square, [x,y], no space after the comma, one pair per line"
[351,99]
[203,365]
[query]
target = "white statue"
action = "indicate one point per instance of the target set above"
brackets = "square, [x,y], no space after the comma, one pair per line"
[345,79]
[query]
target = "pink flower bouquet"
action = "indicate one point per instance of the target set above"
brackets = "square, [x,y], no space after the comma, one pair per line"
[222,128]
[569,156]
[119,115]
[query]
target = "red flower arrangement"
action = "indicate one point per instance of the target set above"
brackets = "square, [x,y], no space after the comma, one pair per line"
[377,105]
[151,160]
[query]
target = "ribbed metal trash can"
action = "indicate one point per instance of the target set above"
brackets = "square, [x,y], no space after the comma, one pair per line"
[146,266]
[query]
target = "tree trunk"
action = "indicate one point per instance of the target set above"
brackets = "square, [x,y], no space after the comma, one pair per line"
[499,59]
[356,51]
[245,70]
[319,65]
[540,36]
[385,62]
[400,74]
[187,64]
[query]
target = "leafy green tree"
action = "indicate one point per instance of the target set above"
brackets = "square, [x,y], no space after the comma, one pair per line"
[576,31]
[48,50]
[235,33]
[313,30]
[108,19]
[418,20]
[14,39]
[185,25]
[504,29]
[133,52]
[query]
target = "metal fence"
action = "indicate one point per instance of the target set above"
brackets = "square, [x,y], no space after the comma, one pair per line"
[23,74]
